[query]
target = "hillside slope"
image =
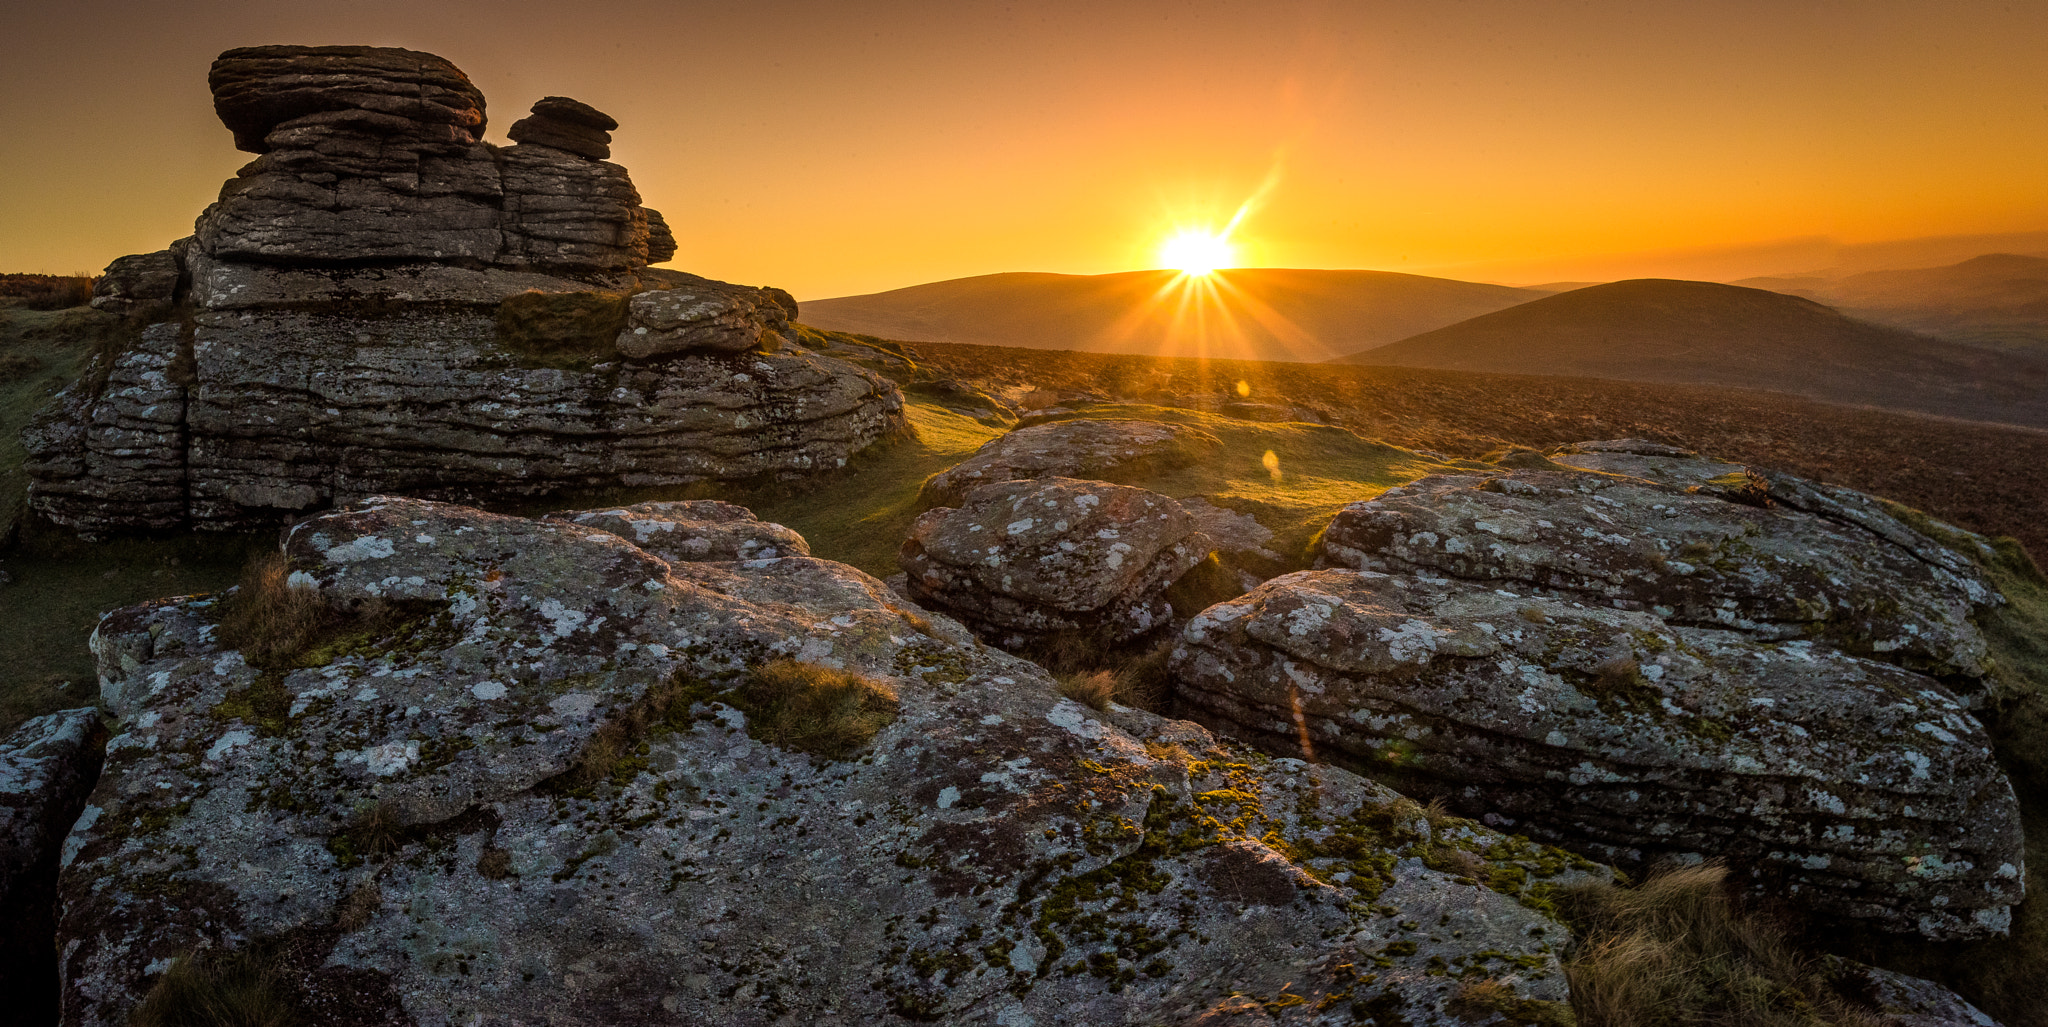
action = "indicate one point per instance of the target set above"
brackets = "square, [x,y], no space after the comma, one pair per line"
[1249,313]
[1661,330]
[1998,300]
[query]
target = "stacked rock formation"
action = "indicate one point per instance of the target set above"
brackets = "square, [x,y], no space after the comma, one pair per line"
[381,302]
[581,816]
[1724,662]
[1018,560]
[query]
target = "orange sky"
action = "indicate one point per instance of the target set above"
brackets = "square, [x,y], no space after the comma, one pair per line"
[835,148]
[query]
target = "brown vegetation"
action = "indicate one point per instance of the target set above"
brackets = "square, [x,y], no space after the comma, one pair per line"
[813,709]
[45,292]
[1679,951]
[211,988]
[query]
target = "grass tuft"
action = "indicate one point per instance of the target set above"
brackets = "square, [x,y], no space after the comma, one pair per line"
[1679,951]
[1093,688]
[570,330]
[813,709]
[218,989]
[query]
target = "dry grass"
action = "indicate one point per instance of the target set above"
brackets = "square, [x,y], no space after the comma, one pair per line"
[46,292]
[494,864]
[1093,688]
[218,989]
[1679,951]
[563,329]
[271,620]
[813,709]
[360,907]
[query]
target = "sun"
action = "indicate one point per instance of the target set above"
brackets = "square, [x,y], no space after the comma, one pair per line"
[1196,252]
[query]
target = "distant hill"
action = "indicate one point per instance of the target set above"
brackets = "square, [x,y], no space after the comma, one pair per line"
[1703,333]
[1999,300]
[1251,313]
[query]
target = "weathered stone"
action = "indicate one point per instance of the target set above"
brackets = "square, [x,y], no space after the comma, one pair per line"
[370,154]
[256,89]
[1898,1000]
[141,284]
[1851,786]
[695,530]
[995,855]
[47,768]
[703,315]
[567,124]
[290,410]
[1818,565]
[1024,558]
[1105,449]
[223,285]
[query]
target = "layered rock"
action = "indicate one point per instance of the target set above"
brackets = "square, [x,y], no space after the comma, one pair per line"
[1022,559]
[1857,787]
[567,124]
[382,303]
[1106,449]
[537,798]
[693,530]
[47,768]
[1772,556]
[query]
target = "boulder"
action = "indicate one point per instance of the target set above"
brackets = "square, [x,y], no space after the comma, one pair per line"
[567,124]
[1844,784]
[1108,449]
[700,315]
[705,530]
[550,791]
[47,768]
[1022,559]
[1775,558]
[140,285]
[258,89]
[1897,1000]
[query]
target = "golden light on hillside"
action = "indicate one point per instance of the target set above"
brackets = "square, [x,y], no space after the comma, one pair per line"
[1197,251]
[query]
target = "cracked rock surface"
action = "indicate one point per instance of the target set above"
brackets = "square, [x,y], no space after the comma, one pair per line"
[995,855]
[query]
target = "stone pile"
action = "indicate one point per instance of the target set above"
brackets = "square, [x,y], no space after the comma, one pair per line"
[382,302]
[1723,663]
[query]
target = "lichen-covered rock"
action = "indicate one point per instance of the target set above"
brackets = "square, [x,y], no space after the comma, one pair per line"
[1105,449]
[1852,786]
[538,800]
[1777,558]
[47,768]
[696,530]
[697,314]
[1020,559]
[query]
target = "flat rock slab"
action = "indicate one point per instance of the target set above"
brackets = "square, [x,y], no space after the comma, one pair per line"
[1852,786]
[1028,557]
[995,855]
[1833,569]
[693,530]
[1106,449]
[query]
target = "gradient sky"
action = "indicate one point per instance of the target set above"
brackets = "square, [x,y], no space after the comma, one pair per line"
[844,147]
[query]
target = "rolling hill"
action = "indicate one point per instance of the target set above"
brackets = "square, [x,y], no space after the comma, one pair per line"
[1998,300]
[1662,330]
[1251,313]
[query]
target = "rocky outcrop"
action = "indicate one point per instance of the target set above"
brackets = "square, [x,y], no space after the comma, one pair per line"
[383,303]
[693,530]
[1898,1000]
[47,768]
[1718,664]
[1105,449]
[1771,556]
[549,791]
[1018,560]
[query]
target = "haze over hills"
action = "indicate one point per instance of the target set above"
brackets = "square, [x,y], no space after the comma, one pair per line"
[1999,299]
[1661,330]
[1251,313]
